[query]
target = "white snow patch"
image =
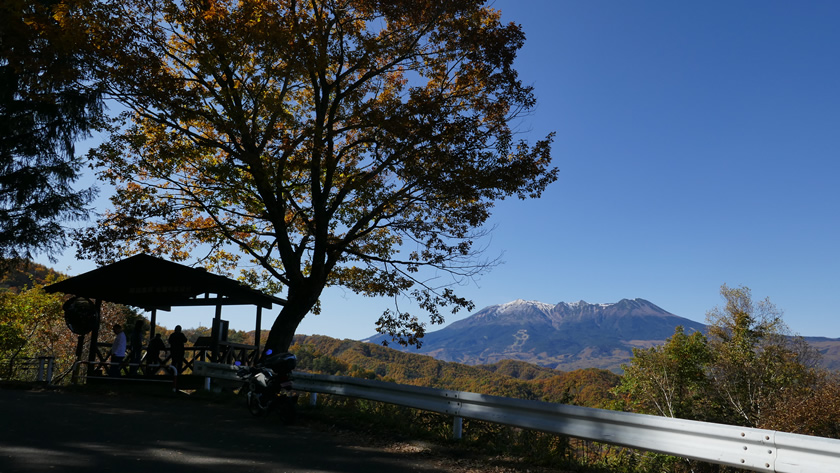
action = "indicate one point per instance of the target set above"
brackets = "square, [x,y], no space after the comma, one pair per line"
[542,306]
[582,303]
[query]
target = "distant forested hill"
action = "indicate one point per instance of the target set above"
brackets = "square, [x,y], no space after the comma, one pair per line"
[25,274]
[587,387]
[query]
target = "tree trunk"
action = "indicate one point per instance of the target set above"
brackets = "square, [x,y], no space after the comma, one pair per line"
[283,330]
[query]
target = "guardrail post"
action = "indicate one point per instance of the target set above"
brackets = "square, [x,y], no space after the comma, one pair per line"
[40,376]
[45,369]
[313,399]
[457,427]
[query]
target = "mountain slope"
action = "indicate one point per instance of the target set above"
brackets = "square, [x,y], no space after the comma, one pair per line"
[829,349]
[563,336]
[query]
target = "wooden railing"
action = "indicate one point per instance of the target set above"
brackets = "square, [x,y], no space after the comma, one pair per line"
[228,353]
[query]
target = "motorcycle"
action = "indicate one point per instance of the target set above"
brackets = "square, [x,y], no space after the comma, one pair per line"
[268,386]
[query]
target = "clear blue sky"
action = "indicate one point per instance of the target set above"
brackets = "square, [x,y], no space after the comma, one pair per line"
[698,144]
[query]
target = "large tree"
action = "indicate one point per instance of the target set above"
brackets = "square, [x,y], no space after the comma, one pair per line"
[357,143]
[45,106]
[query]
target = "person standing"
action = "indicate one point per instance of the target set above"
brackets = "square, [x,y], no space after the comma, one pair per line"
[117,351]
[156,346]
[176,347]
[136,346]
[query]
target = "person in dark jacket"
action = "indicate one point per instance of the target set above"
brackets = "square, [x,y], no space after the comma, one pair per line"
[156,346]
[176,347]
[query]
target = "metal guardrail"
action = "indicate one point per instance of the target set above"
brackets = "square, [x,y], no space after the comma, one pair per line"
[37,369]
[741,447]
[216,370]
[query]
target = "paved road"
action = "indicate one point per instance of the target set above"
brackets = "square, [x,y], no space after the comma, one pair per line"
[73,432]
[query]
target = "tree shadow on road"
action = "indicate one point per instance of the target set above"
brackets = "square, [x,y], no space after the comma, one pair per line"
[122,432]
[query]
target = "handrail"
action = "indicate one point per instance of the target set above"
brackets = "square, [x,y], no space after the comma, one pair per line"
[740,447]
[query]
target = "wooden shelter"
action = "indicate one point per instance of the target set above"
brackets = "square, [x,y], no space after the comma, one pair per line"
[153,284]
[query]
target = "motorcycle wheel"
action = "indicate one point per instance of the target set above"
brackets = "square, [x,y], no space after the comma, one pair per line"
[254,407]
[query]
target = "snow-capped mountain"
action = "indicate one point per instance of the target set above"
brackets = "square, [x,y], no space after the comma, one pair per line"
[564,336]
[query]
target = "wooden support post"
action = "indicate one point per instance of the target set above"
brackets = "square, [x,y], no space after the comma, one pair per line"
[257,335]
[214,344]
[80,349]
[94,339]
[153,322]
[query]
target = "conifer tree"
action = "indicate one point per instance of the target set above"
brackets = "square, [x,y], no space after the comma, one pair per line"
[45,107]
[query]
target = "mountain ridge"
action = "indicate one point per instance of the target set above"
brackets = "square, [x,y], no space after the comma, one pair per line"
[565,336]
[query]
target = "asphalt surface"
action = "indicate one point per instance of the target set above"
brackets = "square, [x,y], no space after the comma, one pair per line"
[47,431]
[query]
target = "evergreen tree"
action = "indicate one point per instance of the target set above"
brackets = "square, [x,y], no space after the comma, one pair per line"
[44,109]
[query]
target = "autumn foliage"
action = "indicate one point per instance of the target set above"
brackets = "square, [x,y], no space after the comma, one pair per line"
[350,143]
[32,324]
[746,370]
[590,387]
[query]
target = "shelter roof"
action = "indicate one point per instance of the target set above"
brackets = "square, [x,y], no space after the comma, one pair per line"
[149,282]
